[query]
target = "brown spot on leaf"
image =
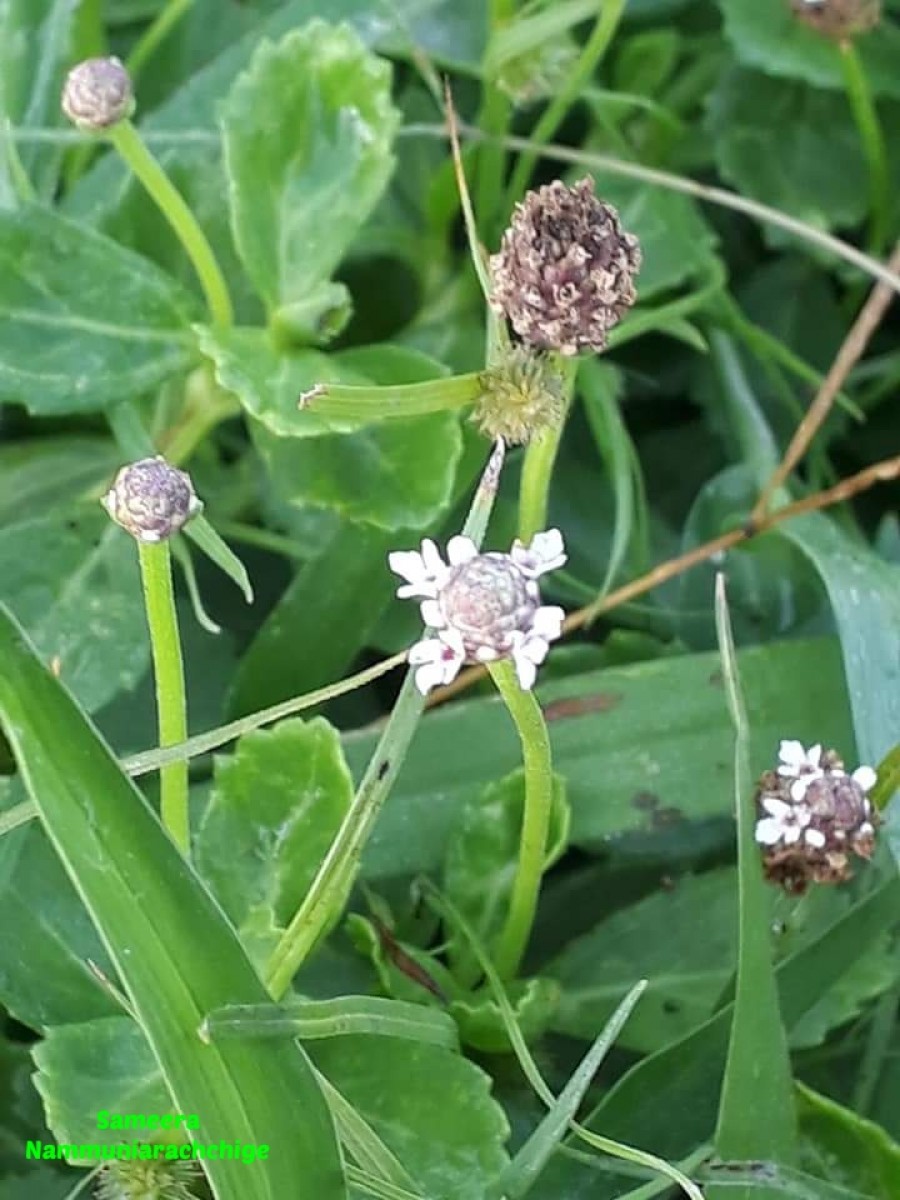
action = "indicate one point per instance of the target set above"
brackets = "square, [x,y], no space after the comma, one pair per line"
[717,679]
[579,706]
[645,801]
[662,818]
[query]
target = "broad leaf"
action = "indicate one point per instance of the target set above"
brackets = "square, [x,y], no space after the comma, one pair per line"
[85,323]
[75,585]
[307,132]
[176,955]
[51,474]
[275,808]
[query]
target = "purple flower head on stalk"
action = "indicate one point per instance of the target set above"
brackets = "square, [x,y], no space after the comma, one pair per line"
[97,94]
[480,607]
[151,499]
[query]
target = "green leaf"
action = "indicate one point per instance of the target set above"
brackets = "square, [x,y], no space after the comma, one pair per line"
[46,938]
[845,1148]
[175,953]
[644,749]
[35,41]
[789,146]
[51,474]
[764,34]
[86,323]
[432,1108]
[483,1026]
[757,1117]
[276,805]
[75,586]
[481,858]
[676,242]
[324,617]
[307,132]
[95,1065]
[656,938]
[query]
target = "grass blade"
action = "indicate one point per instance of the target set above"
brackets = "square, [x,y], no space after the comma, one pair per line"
[176,955]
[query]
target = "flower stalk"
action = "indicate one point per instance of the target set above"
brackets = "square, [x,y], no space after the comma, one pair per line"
[329,890]
[367,403]
[532,730]
[168,670]
[127,141]
[539,460]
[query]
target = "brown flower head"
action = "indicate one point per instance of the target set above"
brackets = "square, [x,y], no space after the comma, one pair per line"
[151,500]
[838,19]
[97,94]
[812,817]
[564,275]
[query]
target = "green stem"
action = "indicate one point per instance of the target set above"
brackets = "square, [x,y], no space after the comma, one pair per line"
[531,727]
[330,888]
[881,1030]
[168,669]
[367,403]
[171,203]
[537,465]
[553,115]
[156,32]
[862,105]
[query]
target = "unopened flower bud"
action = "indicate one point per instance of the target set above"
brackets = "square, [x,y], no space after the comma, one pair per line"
[564,275]
[838,19]
[151,500]
[523,395]
[97,94]
[812,816]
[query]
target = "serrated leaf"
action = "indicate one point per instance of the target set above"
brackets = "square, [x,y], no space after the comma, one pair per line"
[276,805]
[481,859]
[307,132]
[106,1063]
[481,1023]
[74,584]
[433,1109]
[86,322]
[176,955]
[845,1148]
[764,34]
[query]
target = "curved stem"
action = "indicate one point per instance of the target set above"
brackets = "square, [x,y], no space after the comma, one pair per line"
[862,105]
[532,729]
[171,203]
[537,466]
[328,891]
[553,115]
[168,670]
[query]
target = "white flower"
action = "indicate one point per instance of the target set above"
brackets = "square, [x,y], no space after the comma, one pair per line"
[481,606]
[800,765]
[785,822]
[865,777]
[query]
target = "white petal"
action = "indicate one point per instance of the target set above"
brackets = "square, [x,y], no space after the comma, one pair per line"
[427,650]
[790,834]
[408,564]
[547,622]
[768,831]
[431,614]
[434,564]
[460,549]
[865,777]
[792,755]
[486,654]
[545,553]
[525,670]
[813,755]
[775,807]
[815,837]
[428,676]
[799,786]
[436,661]
[533,648]
[453,638]
[865,829]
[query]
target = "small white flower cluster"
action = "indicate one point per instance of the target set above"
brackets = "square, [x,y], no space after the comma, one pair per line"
[481,607]
[790,821]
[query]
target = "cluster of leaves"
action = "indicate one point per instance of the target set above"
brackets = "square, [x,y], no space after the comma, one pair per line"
[310,151]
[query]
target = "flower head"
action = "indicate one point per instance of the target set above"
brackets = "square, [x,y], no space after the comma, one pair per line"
[151,499]
[838,19]
[523,395]
[564,275]
[97,94]
[812,816]
[481,607]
